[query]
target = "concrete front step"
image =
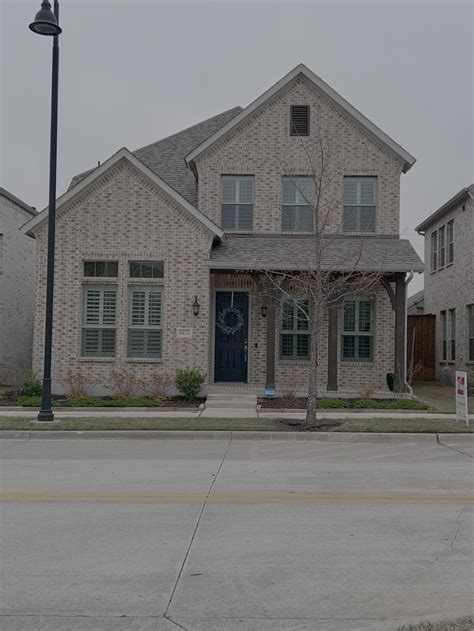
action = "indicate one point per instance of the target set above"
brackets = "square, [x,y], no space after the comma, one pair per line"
[232,396]
[232,405]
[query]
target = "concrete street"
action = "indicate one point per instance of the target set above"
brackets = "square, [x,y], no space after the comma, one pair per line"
[234,535]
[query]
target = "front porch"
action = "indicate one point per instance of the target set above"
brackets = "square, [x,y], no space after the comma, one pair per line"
[255,357]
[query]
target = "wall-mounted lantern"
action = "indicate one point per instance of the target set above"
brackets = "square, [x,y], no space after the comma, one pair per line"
[264,311]
[196,306]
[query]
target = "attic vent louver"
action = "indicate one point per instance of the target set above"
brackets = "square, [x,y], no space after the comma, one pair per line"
[299,120]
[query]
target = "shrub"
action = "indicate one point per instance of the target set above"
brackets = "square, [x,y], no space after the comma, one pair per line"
[189,382]
[97,402]
[390,379]
[331,403]
[31,386]
[367,404]
[76,384]
[32,401]
[125,384]
[366,392]
[14,377]
[406,404]
[157,385]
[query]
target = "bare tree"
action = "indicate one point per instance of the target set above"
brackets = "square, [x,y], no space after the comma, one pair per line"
[314,286]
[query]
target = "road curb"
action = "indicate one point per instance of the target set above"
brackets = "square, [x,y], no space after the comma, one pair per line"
[352,437]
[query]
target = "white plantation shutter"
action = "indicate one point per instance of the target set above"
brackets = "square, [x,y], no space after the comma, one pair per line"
[98,333]
[145,320]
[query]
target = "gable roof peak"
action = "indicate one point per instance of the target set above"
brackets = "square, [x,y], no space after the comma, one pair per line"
[340,101]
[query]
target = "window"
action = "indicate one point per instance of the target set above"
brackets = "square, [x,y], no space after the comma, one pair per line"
[237,202]
[98,321]
[357,329]
[297,207]
[444,336]
[470,327]
[146,269]
[294,338]
[104,269]
[299,120]
[450,242]
[441,246]
[452,334]
[145,321]
[434,251]
[359,204]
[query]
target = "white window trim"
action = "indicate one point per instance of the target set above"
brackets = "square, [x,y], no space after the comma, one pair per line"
[294,331]
[85,326]
[237,203]
[359,360]
[296,206]
[133,287]
[359,204]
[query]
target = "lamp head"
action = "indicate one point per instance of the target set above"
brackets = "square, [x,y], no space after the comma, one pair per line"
[45,22]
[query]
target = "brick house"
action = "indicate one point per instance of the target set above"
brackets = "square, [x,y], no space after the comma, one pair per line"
[449,281]
[17,288]
[159,251]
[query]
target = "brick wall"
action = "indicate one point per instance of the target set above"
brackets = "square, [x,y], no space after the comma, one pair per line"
[263,147]
[453,286]
[122,217]
[17,291]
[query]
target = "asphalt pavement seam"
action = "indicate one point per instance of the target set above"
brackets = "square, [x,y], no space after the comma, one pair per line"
[454,449]
[165,615]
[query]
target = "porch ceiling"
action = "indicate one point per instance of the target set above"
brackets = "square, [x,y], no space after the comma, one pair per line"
[295,252]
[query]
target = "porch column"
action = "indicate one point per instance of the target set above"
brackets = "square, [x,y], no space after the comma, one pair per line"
[270,368]
[400,332]
[332,347]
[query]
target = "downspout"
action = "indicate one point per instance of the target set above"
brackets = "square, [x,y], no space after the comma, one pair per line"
[409,279]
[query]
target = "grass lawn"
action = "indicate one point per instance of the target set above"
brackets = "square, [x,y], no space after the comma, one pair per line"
[239,424]
[439,398]
[460,624]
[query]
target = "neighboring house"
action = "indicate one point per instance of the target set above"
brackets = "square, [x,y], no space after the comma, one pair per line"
[449,280]
[159,251]
[416,303]
[17,288]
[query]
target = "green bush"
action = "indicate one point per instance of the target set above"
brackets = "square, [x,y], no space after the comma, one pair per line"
[189,382]
[97,402]
[31,386]
[398,404]
[32,401]
[331,403]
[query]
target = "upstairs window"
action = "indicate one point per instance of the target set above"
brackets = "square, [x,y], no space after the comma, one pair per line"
[434,251]
[101,269]
[237,202]
[294,337]
[299,120]
[146,269]
[297,207]
[450,242]
[98,321]
[359,204]
[357,329]
[441,246]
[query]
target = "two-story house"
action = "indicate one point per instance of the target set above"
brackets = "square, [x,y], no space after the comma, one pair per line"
[17,288]
[449,281]
[159,251]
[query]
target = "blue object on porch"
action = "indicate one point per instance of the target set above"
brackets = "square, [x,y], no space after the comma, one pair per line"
[269,393]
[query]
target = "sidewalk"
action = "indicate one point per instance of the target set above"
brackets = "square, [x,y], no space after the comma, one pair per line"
[131,413]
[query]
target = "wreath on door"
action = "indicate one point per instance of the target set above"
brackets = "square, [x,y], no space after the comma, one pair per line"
[230,329]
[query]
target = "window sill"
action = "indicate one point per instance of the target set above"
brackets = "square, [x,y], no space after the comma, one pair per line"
[98,360]
[355,364]
[293,362]
[234,231]
[145,281]
[470,362]
[144,360]
[297,232]
[100,280]
[358,233]
[449,362]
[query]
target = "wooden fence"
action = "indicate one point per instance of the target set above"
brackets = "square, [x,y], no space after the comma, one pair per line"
[421,346]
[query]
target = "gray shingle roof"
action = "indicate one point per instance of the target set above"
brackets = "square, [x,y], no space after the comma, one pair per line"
[385,254]
[460,196]
[166,157]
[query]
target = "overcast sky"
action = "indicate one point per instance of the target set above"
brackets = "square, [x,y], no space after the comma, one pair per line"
[133,72]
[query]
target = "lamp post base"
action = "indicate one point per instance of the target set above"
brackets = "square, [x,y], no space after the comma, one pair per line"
[45,415]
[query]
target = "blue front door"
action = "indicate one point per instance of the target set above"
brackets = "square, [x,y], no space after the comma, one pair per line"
[231,335]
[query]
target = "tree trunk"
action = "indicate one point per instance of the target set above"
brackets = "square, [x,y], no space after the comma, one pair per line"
[311,415]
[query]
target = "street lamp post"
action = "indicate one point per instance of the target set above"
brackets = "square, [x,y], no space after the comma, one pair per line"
[47,23]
